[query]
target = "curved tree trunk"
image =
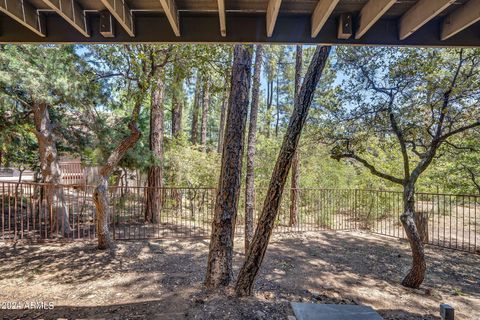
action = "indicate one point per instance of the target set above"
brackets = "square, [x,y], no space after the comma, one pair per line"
[100,194]
[219,266]
[265,225]
[296,159]
[416,274]
[50,169]
[155,172]
[252,137]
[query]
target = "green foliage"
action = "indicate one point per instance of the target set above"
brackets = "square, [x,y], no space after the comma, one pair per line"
[422,98]
[92,90]
[191,166]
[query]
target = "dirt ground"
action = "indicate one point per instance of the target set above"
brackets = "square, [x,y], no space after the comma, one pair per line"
[162,279]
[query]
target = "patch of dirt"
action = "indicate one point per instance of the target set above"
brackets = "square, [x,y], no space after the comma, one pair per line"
[162,279]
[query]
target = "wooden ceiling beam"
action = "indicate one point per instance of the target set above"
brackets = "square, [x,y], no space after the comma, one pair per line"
[272,14]
[322,12]
[72,12]
[121,11]
[25,14]
[170,8]
[418,15]
[460,19]
[370,13]
[222,17]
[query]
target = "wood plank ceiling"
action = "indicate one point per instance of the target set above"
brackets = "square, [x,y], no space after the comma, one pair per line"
[404,17]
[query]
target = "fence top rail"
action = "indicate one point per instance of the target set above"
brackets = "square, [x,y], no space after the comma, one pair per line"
[29,183]
[94,186]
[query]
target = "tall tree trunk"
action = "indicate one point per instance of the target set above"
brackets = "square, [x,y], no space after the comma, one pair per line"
[277,104]
[296,159]
[205,106]
[177,106]
[223,113]
[416,275]
[196,109]
[155,172]
[100,194]
[49,167]
[268,116]
[252,138]
[265,225]
[219,267]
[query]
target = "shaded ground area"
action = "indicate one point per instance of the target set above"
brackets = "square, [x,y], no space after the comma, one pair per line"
[161,279]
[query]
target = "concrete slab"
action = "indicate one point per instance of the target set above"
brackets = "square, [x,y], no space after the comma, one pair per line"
[312,311]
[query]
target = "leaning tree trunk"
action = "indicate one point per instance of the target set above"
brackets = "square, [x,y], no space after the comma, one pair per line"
[50,169]
[252,137]
[296,159]
[273,198]
[219,266]
[100,194]
[205,106]
[155,172]
[416,275]
[196,109]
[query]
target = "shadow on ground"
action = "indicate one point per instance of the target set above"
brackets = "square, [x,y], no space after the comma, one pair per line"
[162,279]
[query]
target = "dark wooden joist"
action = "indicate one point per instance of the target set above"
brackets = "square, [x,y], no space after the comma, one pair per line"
[72,12]
[25,14]
[289,29]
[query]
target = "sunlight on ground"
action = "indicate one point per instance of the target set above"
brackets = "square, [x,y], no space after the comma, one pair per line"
[327,267]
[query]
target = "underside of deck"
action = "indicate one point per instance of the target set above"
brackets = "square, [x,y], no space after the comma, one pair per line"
[441,23]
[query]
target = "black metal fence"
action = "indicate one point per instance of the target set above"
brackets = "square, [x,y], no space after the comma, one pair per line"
[450,221]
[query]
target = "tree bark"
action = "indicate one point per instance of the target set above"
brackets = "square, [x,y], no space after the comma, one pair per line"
[219,267]
[223,113]
[268,115]
[296,159]
[177,106]
[277,102]
[50,168]
[266,222]
[252,137]
[416,275]
[196,109]
[100,194]
[155,172]
[205,106]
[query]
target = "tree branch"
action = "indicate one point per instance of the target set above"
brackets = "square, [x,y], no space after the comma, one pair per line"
[369,166]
